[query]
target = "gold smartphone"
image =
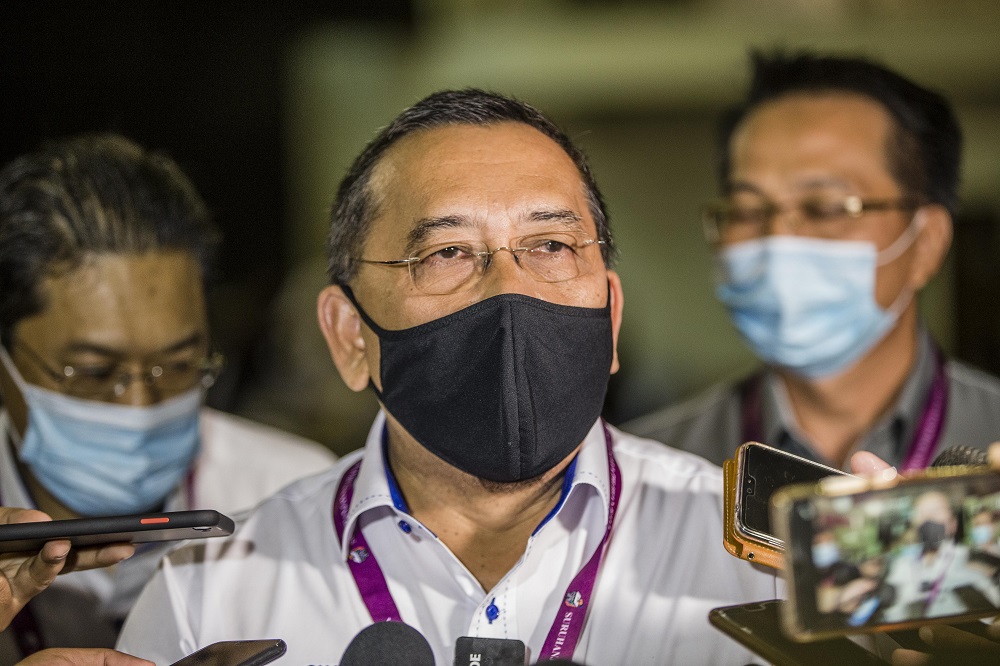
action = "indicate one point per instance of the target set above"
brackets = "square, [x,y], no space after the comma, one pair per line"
[750,480]
[864,555]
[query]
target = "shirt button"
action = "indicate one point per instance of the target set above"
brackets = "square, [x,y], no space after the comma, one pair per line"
[492,612]
[405,526]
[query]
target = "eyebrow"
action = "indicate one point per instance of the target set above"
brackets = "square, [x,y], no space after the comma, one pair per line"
[427,225]
[89,347]
[564,215]
[733,187]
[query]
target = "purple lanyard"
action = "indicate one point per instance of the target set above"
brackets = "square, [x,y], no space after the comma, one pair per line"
[925,439]
[565,632]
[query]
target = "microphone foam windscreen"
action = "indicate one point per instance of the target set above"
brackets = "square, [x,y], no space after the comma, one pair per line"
[388,643]
[960,455]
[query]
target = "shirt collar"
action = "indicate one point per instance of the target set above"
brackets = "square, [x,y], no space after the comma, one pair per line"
[781,427]
[376,487]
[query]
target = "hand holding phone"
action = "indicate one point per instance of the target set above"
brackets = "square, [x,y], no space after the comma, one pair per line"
[139,528]
[27,574]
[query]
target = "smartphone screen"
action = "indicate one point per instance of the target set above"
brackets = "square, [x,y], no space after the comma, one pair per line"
[762,471]
[921,551]
[235,653]
[757,626]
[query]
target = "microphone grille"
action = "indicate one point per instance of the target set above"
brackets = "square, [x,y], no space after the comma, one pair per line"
[960,455]
[388,643]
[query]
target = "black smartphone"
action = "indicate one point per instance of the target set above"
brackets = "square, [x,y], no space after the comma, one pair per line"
[761,470]
[757,626]
[236,653]
[138,528]
[868,554]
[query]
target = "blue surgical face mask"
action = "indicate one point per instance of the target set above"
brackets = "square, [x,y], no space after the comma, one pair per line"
[982,535]
[102,459]
[825,554]
[808,304]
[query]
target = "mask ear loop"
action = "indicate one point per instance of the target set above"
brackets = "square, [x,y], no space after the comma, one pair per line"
[15,374]
[903,243]
[893,252]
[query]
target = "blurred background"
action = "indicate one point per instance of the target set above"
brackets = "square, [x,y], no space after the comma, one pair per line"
[264,104]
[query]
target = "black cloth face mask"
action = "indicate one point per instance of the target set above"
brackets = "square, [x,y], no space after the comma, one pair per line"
[504,389]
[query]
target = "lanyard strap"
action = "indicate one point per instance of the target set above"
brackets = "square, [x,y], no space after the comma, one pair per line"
[568,624]
[926,437]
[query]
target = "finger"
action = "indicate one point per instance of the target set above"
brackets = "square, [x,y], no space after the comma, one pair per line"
[10,515]
[38,572]
[905,657]
[82,657]
[867,463]
[943,638]
[95,557]
[994,455]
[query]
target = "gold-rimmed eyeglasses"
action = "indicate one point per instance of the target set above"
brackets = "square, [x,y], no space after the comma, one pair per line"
[107,381]
[448,268]
[726,222]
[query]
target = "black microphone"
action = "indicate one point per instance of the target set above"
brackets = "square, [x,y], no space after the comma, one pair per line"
[476,651]
[961,455]
[388,643]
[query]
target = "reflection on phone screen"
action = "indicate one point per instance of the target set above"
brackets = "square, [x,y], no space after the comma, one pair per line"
[911,554]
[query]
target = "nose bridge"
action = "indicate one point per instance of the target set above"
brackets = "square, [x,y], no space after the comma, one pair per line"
[137,388]
[784,221]
[505,274]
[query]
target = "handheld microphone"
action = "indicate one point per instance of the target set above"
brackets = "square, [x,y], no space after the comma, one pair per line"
[961,455]
[388,643]
[476,651]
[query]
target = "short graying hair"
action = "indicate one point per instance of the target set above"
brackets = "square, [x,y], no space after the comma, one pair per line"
[87,195]
[355,206]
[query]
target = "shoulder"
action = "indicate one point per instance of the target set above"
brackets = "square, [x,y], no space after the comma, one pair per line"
[228,432]
[283,523]
[973,406]
[707,424]
[650,463]
[242,462]
[973,380]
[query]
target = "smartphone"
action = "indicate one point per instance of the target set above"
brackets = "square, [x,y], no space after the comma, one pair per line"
[865,555]
[757,627]
[139,528]
[236,653]
[761,470]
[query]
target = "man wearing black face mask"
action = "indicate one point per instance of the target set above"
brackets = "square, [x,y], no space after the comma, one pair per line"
[931,577]
[471,290]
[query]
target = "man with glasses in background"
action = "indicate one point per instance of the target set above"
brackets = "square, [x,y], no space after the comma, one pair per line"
[840,181]
[104,363]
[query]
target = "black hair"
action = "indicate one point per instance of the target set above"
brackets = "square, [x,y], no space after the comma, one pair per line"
[355,206]
[924,149]
[87,195]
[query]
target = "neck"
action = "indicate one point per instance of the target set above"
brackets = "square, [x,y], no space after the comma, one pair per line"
[485,524]
[835,412]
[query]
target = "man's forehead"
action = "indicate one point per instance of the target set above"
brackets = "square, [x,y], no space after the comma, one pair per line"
[453,173]
[499,143]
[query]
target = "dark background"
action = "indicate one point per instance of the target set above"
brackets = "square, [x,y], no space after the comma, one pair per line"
[201,81]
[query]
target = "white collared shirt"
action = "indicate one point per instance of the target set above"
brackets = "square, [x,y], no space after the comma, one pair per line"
[239,464]
[284,574]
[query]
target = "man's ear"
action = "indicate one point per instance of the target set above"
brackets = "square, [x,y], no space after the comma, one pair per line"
[931,246]
[341,326]
[617,303]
